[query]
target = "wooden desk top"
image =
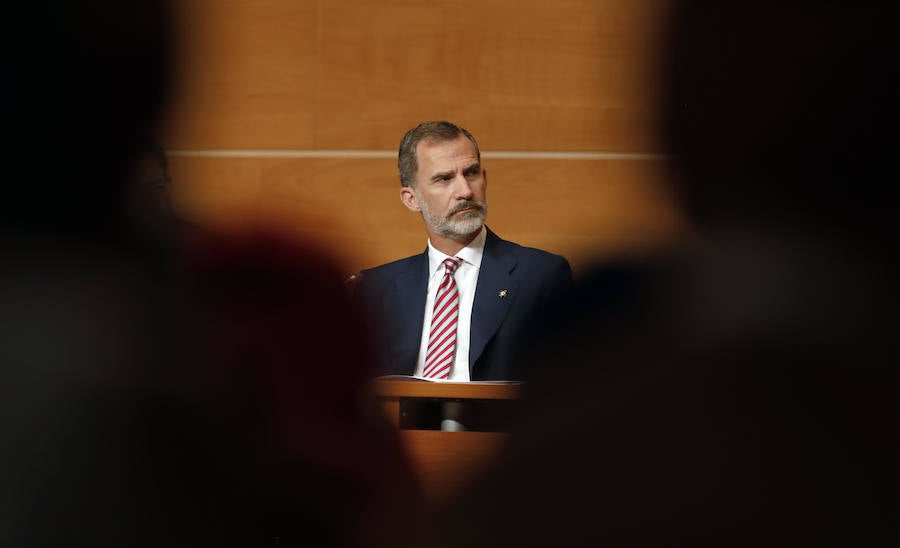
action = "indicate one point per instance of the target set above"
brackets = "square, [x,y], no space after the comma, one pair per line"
[450,390]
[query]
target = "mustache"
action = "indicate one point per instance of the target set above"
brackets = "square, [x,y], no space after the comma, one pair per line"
[473,204]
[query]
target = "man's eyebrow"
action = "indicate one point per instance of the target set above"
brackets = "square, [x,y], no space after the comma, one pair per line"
[474,168]
[442,175]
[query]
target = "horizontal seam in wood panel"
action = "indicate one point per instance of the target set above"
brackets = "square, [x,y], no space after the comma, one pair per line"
[500,155]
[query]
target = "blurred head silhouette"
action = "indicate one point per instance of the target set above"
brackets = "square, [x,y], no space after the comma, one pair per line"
[155,401]
[776,113]
[83,82]
[733,392]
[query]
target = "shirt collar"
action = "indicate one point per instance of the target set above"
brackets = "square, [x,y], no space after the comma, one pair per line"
[470,254]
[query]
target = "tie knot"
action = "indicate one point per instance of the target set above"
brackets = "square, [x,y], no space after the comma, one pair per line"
[451,265]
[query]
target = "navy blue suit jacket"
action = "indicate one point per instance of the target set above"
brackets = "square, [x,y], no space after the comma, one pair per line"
[501,326]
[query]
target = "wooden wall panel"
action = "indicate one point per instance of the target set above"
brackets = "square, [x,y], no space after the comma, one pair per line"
[520,74]
[339,74]
[246,72]
[528,75]
[580,208]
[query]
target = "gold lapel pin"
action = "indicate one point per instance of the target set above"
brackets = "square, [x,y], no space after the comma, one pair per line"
[502,293]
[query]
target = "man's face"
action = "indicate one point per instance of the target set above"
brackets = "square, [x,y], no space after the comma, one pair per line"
[450,189]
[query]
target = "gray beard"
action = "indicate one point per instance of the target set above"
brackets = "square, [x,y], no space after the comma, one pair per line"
[460,227]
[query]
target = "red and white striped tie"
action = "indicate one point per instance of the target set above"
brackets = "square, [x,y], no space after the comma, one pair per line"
[442,340]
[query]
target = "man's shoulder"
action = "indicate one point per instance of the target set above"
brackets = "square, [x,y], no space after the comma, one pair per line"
[391,270]
[526,253]
[541,269]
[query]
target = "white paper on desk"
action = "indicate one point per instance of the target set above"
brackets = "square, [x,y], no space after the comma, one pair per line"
[423,379]
[403,378]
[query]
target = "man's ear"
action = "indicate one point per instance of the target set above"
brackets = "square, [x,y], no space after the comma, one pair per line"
[408,197]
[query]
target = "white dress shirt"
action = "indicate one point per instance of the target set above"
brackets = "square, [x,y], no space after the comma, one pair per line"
[466,282]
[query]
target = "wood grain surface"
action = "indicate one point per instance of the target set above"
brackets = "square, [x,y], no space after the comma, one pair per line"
[583,209]
[356,74]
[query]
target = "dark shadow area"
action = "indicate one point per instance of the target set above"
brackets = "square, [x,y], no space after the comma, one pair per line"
[471,415]
[154,392]
[738,391]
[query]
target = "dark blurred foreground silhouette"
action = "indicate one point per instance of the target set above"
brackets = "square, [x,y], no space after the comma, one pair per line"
[740,391]
[155,394]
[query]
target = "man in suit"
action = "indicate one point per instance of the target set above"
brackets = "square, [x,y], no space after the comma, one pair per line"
[464,308]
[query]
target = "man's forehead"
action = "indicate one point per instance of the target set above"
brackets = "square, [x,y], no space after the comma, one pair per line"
[446,152]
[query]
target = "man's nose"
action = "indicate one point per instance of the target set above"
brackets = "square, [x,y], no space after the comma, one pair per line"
[463,188]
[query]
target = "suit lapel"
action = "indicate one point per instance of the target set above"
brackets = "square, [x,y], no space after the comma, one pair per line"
[407,304]
[494,294]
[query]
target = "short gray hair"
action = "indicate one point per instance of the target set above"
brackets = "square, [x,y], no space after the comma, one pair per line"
[435,132]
